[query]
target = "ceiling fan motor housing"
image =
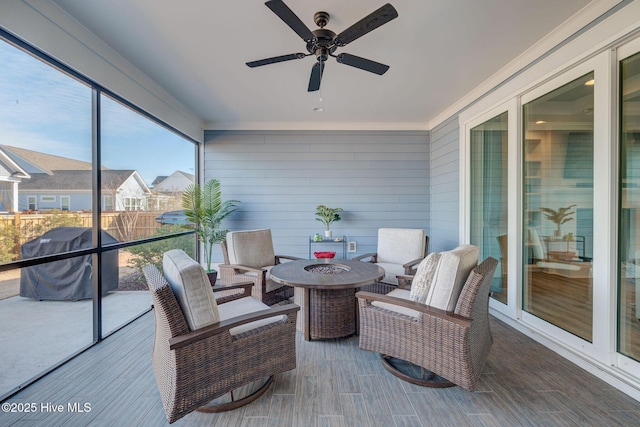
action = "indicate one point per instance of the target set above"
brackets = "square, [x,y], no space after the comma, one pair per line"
[322,45]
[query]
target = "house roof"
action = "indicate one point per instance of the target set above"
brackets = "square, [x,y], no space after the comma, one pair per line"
[9,168]
[37,162]
[75,180]
[173,182]
[188,175]
[158,180]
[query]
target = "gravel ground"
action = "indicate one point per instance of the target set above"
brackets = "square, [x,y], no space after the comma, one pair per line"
[133,282]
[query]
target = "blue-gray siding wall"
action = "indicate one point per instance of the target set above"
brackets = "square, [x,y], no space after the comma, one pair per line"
[380,179]
[445,181]
[78,201]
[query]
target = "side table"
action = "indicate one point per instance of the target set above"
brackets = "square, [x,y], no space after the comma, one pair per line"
[328,241]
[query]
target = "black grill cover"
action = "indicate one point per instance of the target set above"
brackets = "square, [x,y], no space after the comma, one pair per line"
[67,279]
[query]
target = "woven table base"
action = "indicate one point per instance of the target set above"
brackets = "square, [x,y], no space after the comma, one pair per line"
[332,313]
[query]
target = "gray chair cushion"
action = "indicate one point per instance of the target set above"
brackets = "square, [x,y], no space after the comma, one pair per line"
[400,245]
[246,305]
[390,272]
[192,289]
[453,268]
[398,293]
[253,248]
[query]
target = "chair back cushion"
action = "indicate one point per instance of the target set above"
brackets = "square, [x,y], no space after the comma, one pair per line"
[192,288]
[421,283]
[400,245]
[253,248]
[536,245]
[453,268]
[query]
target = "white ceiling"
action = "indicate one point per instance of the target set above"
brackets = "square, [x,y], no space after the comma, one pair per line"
[437,50]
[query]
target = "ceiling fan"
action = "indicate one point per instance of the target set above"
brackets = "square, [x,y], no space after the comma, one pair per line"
[323,42]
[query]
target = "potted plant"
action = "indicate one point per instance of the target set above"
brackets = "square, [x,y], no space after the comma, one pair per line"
[326,216]
[204,208]
[559,217]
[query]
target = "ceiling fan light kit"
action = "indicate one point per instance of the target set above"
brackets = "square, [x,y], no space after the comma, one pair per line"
[323,42]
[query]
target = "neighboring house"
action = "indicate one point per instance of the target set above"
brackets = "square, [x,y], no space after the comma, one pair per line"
[168,190]
[11,175]
[123,190]
[177,182]
[158,180]
[57,182]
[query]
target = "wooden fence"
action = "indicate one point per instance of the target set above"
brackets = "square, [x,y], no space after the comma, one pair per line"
[18,228]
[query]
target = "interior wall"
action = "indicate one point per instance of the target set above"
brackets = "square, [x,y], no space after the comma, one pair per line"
[380,179]
[445,185]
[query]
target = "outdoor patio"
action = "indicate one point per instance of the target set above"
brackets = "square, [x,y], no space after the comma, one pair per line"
[46,332]
[335,384]
[43,333]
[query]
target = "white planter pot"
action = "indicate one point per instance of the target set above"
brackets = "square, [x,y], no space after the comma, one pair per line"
[327,233]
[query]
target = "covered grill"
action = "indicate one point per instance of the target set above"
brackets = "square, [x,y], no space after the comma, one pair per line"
[68,279]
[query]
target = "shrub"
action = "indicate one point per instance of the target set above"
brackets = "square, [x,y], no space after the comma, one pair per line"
[151,253]
[9,236]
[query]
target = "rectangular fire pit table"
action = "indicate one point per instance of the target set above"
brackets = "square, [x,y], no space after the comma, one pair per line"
[325,290]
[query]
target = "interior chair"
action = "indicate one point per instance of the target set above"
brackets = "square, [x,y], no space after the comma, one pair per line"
[249,256]
[440,326]
[399,251]
[539,260]
[203,348]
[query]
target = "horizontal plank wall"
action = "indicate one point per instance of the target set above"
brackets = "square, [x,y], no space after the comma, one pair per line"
[445,191]
[380,179]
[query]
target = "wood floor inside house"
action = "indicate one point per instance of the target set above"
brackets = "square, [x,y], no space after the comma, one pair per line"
[567,303]
[334,384]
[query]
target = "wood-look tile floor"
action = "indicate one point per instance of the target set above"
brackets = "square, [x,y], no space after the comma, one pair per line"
[334,384]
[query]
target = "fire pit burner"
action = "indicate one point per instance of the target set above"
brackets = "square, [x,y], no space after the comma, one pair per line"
[327,268]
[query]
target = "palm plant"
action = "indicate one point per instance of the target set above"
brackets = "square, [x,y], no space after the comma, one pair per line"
[204,208]
[559,217]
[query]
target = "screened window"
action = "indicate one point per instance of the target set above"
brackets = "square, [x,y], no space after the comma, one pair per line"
[46,127]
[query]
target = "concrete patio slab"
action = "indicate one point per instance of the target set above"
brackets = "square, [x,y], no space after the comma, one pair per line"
[35,335]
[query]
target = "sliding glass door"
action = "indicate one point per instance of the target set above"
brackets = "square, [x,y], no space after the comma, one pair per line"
[629,242]
[489,204]
[558,181]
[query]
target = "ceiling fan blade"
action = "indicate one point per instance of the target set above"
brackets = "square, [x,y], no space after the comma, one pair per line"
[362,63]
[316,76]
[369,23]
[275,59]
[291,19]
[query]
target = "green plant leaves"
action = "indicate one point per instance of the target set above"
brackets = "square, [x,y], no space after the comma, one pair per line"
[203,206]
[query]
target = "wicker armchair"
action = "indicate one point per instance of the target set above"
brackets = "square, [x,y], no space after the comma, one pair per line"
[249,256]
[193,367]
[450,344]
[399,251]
